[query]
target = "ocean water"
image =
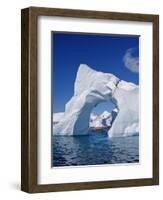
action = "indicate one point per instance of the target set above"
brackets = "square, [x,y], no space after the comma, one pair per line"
[94,149]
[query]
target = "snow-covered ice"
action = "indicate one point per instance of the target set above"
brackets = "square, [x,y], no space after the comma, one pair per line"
[57,117]
[126,122]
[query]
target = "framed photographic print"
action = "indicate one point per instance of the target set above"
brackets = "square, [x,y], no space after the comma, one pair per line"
[90,99]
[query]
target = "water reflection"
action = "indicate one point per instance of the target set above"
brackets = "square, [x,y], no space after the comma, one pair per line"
[94,149]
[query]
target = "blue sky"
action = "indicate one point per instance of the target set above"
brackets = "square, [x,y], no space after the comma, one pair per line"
[115,54]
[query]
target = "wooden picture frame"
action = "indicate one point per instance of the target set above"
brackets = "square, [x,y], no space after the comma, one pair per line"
[29,134]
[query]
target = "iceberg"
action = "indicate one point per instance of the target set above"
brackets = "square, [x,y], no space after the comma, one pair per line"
[101,121]
[106,118]
[126,122]
[57,117]
[92,87]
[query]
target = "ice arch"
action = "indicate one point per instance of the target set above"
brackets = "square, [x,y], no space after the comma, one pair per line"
[92,87]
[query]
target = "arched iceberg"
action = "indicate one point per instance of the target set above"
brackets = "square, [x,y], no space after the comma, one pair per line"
[92,87]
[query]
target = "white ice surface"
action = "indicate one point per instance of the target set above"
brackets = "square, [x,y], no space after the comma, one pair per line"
[57,117]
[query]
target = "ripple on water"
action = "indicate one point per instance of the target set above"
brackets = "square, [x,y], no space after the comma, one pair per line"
[94,149]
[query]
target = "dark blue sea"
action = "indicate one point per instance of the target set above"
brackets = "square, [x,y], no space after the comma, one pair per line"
[94,149]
